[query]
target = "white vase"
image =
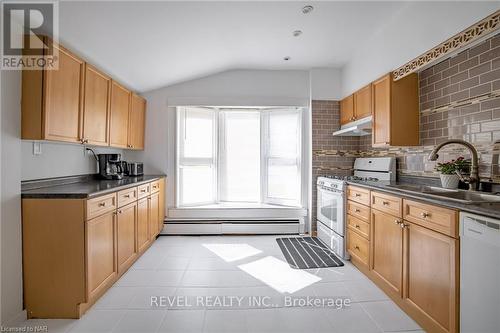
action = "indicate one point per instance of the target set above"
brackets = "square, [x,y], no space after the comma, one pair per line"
[449,181]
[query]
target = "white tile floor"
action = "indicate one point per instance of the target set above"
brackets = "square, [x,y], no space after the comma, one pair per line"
[201,268]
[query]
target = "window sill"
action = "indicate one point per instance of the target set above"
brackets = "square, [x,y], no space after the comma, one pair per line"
[239,205]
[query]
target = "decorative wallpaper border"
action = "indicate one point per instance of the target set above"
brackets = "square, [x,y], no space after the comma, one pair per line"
[464,38]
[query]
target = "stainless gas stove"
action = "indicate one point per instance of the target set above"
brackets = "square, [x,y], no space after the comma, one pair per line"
[331,198]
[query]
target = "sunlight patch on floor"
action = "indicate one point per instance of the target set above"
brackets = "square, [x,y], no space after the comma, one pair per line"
[279,275]
[232,252]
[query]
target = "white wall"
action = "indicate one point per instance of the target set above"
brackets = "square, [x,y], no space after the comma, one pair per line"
[10,226]
[243,87]
[58,160]
[326,84]
[416,29]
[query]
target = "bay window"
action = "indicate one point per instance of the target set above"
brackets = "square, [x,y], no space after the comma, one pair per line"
[238,155]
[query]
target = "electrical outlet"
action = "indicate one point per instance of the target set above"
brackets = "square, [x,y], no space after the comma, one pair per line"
[37,148]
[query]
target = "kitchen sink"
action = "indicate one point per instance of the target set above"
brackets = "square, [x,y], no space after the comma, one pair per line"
[462,196]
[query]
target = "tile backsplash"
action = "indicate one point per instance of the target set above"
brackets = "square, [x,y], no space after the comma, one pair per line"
[459,99]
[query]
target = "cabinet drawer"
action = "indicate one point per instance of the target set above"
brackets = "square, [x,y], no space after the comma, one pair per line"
[362,212]
[144,190]
[101,205]
[436,218]
[357,246]
[358,194]
[155,186]
[387,203]
[127,196]
[358,226]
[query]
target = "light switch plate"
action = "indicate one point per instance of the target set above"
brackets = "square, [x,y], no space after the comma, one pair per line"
[37,148]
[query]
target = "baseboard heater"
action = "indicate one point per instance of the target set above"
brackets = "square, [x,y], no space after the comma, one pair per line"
[231,227]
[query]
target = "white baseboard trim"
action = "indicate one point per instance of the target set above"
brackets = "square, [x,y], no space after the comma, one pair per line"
[228,228]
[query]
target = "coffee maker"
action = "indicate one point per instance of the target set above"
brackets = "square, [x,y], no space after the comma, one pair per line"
[110,166]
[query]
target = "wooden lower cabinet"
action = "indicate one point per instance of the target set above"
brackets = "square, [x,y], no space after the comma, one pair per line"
[75,249]
[101,249]
[154,214]
[126,235]
[387,249]
[142,224]
[431,277]
[415,261]
[161,212]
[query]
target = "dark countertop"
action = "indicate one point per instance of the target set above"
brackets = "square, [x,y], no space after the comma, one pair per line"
[85,188]
[485,209]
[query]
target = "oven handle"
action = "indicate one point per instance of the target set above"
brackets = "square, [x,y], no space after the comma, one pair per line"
[328,191]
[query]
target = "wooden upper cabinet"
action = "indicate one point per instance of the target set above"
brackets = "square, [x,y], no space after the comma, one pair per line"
[395,111]
[77,103]
[52,100]
[382,115]
[96,107]
[119,120]
[347,110]
[137,122]
[363,102]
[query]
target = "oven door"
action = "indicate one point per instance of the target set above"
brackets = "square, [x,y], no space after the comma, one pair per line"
[330,209]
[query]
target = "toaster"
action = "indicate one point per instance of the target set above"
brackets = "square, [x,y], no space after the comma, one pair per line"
[136,169]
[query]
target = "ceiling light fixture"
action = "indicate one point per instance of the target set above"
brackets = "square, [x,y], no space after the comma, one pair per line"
[297,33]
[307,9]
[286,58]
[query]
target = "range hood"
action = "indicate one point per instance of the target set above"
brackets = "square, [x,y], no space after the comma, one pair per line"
[359,127]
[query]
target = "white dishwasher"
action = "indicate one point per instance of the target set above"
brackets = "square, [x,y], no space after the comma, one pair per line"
[479,274]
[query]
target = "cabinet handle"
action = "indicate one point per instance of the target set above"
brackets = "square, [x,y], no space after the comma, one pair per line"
[397,221]
[404,225]
[425,215]
[102,204]
[127,195]
[357,195]
[142,191]
[356,247]
[357,210]
[120,211]
[357,226]
[385,203]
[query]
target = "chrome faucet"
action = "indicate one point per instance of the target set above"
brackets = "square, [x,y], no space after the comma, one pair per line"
[473,179]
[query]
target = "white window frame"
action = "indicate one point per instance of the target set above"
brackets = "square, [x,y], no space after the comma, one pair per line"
[183,161]
[265,157]
[218,149]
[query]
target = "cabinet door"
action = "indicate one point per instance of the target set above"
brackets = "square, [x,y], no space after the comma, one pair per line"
[126,236]
[431,275]
[382,111]
[363,102]
[101,262]
[96,107]
[347,110]
[153,215]
[161,205]
[120,105]
[387,249]
[137,122]
[142,224]
[63,95]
